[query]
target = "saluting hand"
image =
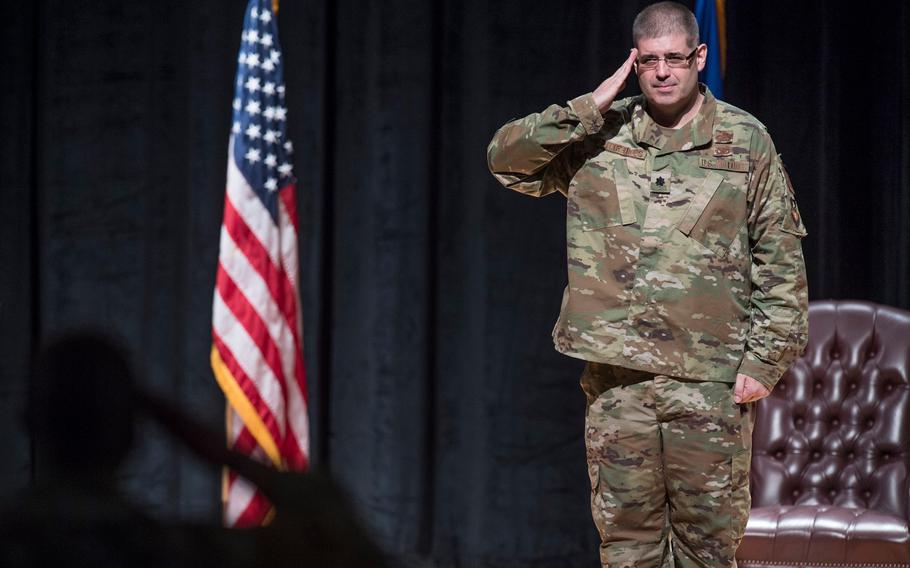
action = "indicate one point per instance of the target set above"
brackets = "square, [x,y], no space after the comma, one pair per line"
[605,94]
[748,389]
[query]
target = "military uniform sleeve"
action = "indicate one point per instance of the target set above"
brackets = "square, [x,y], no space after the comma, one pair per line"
[779,301]
[533,155]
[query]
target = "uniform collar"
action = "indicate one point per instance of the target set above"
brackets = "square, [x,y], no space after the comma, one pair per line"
[698,132]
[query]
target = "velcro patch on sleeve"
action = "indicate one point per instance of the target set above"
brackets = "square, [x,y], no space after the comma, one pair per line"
[791,220]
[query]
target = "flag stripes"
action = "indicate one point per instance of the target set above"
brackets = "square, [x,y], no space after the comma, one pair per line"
[257,354]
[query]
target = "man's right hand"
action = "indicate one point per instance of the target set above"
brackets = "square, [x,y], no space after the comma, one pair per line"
[605,94]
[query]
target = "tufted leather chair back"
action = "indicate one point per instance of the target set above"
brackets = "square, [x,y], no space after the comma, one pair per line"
[836,429]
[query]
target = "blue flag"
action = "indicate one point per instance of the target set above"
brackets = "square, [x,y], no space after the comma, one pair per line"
[711,27]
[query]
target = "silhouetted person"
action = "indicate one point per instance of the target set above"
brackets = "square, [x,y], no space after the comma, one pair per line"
[80,416]
[314,525]
[81,411]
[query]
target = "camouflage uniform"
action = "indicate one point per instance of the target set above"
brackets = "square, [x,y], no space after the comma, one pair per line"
[685,268]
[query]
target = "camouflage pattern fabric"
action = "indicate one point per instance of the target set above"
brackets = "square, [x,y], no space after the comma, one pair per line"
[684,253]
[669,465]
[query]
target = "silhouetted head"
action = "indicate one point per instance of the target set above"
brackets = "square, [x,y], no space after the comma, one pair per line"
[80,405]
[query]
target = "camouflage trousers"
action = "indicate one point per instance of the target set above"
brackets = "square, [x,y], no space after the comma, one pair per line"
[669,465]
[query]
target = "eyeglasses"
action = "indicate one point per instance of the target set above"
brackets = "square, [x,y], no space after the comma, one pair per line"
[675,60]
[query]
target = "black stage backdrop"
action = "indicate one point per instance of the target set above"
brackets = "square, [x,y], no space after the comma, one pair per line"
[429,290]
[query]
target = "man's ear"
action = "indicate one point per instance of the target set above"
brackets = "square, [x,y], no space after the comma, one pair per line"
[701,56]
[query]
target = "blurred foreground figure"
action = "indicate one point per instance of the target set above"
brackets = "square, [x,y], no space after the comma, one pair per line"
[80,416]
[686,293]
[314,525]
[81,413]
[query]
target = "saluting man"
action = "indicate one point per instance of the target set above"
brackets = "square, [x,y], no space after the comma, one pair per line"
[686,293]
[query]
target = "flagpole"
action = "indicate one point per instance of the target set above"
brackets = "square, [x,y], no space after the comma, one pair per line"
[275,7]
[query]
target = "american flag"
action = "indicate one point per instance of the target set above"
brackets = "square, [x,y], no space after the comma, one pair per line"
[256,321]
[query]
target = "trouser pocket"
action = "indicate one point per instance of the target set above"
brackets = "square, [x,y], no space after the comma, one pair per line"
[628,497]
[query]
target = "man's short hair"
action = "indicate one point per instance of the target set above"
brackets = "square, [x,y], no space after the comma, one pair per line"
[663,19]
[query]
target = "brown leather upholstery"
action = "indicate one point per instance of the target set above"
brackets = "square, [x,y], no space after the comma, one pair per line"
[831,447]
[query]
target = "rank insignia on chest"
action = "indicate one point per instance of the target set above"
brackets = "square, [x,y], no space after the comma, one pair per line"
[660,182]
[723,151]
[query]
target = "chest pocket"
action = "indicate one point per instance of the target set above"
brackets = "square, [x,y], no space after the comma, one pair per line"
[601,195]
[717,211]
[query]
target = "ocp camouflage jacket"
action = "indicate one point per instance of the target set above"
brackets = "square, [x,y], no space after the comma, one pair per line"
[684,253]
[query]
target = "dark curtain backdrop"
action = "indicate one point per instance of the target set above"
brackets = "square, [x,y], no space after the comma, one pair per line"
[429,290]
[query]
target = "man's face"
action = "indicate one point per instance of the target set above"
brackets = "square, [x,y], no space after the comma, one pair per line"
[669,90]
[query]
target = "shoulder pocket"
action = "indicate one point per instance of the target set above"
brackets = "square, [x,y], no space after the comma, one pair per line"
[700,202]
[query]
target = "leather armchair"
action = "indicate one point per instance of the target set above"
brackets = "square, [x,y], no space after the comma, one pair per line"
[831,447]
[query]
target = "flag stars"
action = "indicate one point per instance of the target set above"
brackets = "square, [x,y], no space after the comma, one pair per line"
[252,84]
[260,112]
[252,156]
[252,107]
[253,131]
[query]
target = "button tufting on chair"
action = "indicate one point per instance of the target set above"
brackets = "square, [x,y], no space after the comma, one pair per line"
[831,447]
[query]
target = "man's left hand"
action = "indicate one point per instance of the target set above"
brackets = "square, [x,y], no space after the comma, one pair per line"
[748,389]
